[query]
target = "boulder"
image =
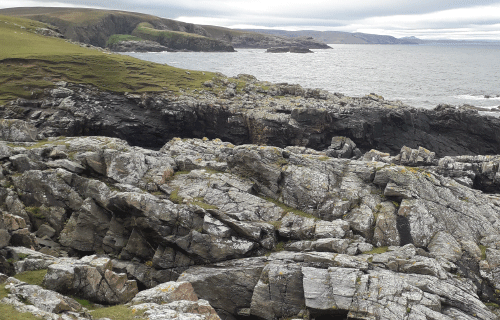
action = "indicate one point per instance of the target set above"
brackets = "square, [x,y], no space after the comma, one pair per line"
[4,238]
[91,278]
[386,232]
[342,147]
[297,227]
[335,294]
[444,245]
[415,157]
[86,228]
[23,238]
[43,299]
[279,292]
[213,249]
[228,286]
[166,293]
[17,131]
[331,229]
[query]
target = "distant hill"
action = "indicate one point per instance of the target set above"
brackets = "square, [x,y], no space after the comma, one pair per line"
[129,31]
[451,42]
[338,37]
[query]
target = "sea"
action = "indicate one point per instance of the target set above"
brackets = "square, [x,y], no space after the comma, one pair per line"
[418,75]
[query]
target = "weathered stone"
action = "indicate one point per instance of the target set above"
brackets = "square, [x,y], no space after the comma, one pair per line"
[386,232]
[91,278]
[215,227]
[23,238]
[66,164]
[361,220]
[279,292]
[183,309]
[445,246]
[342,147]
[22,163]
[61,92]
[166,293]
[166,258]
[86,228]
[4,151]
[214,249]
[124,167]
[110,288]
[17,131]
[229,285]
[137,246]
[413,157]
[331,229]
[13,222]
[45,231]
[337,292]
[4,238]
[44,299]
[297,227]
[49,188]
[60,278]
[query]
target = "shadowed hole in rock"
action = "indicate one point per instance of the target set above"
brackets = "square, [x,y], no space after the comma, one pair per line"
[403,226]
[223,316]
[340,315]
[483,183]
[468,267]
[283,111]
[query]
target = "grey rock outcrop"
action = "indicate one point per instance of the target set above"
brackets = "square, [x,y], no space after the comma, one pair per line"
[18,131]
[300,117]
[166,293]
[288,49]
[91,278]
[138,46]
[343,147]
[253,230]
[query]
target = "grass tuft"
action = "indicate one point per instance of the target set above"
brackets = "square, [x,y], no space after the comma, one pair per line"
[378,250]
[175,198]
[32,277]
[290,209]
[483,251]
[8,312]
[121,37]
[119,312]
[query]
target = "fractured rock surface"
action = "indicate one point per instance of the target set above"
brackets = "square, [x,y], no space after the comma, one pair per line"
[250,230]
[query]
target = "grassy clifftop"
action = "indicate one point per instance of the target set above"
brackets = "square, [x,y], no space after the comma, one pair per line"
[97,27]
[30,62]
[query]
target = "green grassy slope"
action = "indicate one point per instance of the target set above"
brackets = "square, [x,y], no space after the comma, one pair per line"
[94,26]
[30,62]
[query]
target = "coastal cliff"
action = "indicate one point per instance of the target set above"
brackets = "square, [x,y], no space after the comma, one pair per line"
[290,197]
[243,110]
[141,191]
[120,31]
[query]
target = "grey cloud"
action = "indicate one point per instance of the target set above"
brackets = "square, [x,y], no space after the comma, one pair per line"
[353,9]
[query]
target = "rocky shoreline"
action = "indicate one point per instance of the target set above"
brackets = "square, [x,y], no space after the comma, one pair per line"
[243,110]
[255,201]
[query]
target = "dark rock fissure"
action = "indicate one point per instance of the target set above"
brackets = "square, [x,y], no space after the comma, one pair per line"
[404,230]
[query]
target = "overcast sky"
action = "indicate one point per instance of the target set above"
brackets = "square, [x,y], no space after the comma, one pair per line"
[427,19]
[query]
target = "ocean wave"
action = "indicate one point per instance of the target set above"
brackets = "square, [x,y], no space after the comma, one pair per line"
[478,98]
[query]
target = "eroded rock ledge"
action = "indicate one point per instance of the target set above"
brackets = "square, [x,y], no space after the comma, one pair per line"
[254,230]
[251,112]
